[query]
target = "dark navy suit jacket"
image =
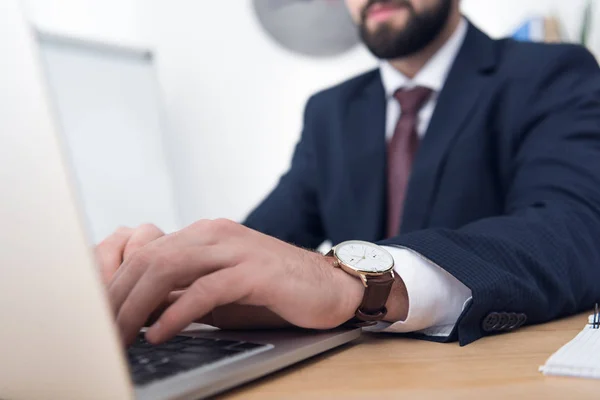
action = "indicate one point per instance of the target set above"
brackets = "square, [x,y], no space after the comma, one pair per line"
[505,187]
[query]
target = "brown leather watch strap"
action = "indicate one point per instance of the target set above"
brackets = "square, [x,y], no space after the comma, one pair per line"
[376,294]
[377,290]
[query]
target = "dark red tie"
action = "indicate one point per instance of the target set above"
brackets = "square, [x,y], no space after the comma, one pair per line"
[401,151]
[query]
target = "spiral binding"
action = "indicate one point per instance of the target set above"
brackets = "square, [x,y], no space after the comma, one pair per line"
[596,321]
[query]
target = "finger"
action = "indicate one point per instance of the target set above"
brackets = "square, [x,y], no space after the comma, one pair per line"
[136,298]
[170,260]
[140,237]
[171,298]
[109,253]
[159,252]
[202,233]
[222,287]
[143,235]
[175,295]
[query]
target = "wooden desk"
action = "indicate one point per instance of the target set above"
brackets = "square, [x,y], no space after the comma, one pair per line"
[389,367]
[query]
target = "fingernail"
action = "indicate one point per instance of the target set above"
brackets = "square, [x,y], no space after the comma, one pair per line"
[153,333]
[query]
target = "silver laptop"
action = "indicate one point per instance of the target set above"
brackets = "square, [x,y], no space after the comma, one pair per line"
[57,335]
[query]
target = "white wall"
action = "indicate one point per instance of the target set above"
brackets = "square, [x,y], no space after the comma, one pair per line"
[115,21]
[234,99]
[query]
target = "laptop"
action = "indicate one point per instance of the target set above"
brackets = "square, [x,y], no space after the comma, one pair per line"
[58,339]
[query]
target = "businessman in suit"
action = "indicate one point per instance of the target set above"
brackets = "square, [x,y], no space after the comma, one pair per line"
[475,163]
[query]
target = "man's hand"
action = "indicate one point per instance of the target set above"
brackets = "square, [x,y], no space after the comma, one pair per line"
[120,245]
[227,275]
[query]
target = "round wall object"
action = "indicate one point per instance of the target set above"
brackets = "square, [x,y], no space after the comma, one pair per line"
[318,28]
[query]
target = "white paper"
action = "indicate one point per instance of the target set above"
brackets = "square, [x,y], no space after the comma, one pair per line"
[579,358]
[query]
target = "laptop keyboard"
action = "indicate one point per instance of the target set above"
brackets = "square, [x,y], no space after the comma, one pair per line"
[180,354]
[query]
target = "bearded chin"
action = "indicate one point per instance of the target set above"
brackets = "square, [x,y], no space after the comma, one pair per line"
[388,42]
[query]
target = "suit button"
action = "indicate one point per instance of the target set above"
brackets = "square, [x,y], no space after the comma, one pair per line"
[502,321]
[513,322]
[490,321]
[522,319]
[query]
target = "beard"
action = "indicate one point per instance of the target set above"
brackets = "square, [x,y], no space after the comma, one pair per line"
[387,42]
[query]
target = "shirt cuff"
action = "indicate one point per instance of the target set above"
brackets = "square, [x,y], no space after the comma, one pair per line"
[435,298]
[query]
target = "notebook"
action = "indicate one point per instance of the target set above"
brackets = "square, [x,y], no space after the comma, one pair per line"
[580,357]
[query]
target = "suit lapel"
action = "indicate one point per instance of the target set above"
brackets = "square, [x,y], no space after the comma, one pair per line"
[364,160]
[466,80]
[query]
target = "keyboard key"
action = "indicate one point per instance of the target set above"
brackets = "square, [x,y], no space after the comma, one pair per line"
[209,350]
[186,359]
[136,351]
[143,378]
[247,346]
[160,361]
[158,354]
[200,342]
[141,342]
[226,343]
[172,346]
[178,339]
[198,361]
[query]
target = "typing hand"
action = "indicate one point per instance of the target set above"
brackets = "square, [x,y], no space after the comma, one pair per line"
[232,276]
[119,246]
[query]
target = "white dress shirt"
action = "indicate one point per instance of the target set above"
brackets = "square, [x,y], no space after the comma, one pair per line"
[436,298]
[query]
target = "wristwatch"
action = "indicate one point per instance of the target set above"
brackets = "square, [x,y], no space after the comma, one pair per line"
[374,266]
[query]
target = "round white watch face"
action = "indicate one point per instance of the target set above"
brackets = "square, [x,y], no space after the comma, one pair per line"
[364,256]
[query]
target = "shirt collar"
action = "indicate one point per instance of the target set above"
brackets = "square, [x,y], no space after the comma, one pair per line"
[434,73]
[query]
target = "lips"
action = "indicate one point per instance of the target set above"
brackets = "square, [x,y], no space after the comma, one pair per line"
[383,11]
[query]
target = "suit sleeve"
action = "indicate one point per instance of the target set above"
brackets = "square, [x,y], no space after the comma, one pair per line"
[541,258]
[291,211]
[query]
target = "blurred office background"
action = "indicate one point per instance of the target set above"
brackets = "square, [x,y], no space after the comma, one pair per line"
[232,98]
